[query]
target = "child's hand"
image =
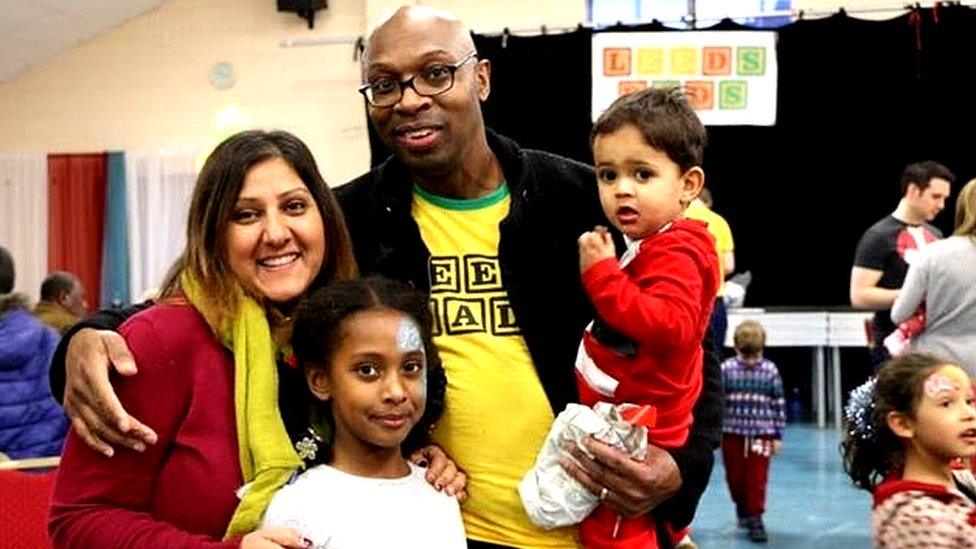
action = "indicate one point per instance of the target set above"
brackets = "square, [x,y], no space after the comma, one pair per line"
[442,472]
[777,446]
[595,246]
[274,538]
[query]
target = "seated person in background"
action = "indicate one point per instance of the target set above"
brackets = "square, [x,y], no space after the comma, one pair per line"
[62,302]
[31,422]
[654,304]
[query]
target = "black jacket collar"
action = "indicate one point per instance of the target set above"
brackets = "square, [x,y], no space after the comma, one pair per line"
[397,188]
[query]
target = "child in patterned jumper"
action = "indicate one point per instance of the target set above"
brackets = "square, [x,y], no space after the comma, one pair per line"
[905,431]
[752,431]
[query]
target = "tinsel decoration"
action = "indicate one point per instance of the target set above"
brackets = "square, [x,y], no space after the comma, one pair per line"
[859,409]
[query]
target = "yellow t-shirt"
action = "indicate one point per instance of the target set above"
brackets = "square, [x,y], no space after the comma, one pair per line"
[496,412]
[718,227]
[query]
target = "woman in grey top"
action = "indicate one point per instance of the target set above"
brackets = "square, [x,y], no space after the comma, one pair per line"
[943,278]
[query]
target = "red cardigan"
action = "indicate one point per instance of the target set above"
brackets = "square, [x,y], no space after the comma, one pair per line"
[180,492]
[662,301]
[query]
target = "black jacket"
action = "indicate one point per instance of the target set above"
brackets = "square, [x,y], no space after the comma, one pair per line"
[554,200]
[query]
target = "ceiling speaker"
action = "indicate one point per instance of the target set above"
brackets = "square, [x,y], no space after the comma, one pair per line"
[304,8]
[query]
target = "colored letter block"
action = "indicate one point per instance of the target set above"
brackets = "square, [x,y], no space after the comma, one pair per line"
[716,61]
[650,61]
[750,61]
[733,94]
[684,61]
[666,84]
[630,86]
[701,94]
[616,62]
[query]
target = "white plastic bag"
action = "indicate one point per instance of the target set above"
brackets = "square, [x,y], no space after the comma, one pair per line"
[550,496]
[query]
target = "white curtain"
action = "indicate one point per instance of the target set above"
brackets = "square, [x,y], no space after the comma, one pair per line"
[158,188]
[23,218]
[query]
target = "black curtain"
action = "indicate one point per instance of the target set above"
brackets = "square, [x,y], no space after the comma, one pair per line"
[857,101]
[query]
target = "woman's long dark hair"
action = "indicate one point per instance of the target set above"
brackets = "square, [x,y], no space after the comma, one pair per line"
[317,335]
[871,455]
[212,204]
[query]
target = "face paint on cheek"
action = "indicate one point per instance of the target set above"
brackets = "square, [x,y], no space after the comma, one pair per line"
[423,383]
[939,382]
[409,341]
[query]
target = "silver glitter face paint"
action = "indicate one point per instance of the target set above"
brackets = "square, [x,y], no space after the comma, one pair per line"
[408,337]
[409,341]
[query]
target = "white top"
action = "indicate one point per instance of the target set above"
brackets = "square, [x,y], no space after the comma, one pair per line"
[943,277]
[336,510]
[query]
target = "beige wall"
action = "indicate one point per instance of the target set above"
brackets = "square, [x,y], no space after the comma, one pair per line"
[145,85]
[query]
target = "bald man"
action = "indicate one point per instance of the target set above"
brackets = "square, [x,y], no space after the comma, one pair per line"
[62,302]
[489,230]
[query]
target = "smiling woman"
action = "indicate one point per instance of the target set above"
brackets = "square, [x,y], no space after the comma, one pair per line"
[275,240]
[260,200]
[263,230]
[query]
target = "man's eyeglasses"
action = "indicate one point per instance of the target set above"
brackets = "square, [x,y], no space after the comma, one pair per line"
[433,80]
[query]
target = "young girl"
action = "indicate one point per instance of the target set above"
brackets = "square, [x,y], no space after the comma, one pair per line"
[369,361]
[904,431]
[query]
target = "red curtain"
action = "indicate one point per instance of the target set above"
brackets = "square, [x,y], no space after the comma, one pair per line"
[76,214]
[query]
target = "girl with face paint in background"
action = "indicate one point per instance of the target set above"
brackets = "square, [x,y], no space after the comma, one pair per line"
[376,387]
[905,432]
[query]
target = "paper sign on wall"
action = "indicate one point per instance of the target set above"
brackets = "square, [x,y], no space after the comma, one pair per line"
[730,76]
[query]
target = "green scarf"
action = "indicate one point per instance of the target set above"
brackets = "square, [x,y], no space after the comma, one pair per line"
[266,453]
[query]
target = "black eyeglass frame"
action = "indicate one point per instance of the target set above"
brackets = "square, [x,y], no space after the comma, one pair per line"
[408,83]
